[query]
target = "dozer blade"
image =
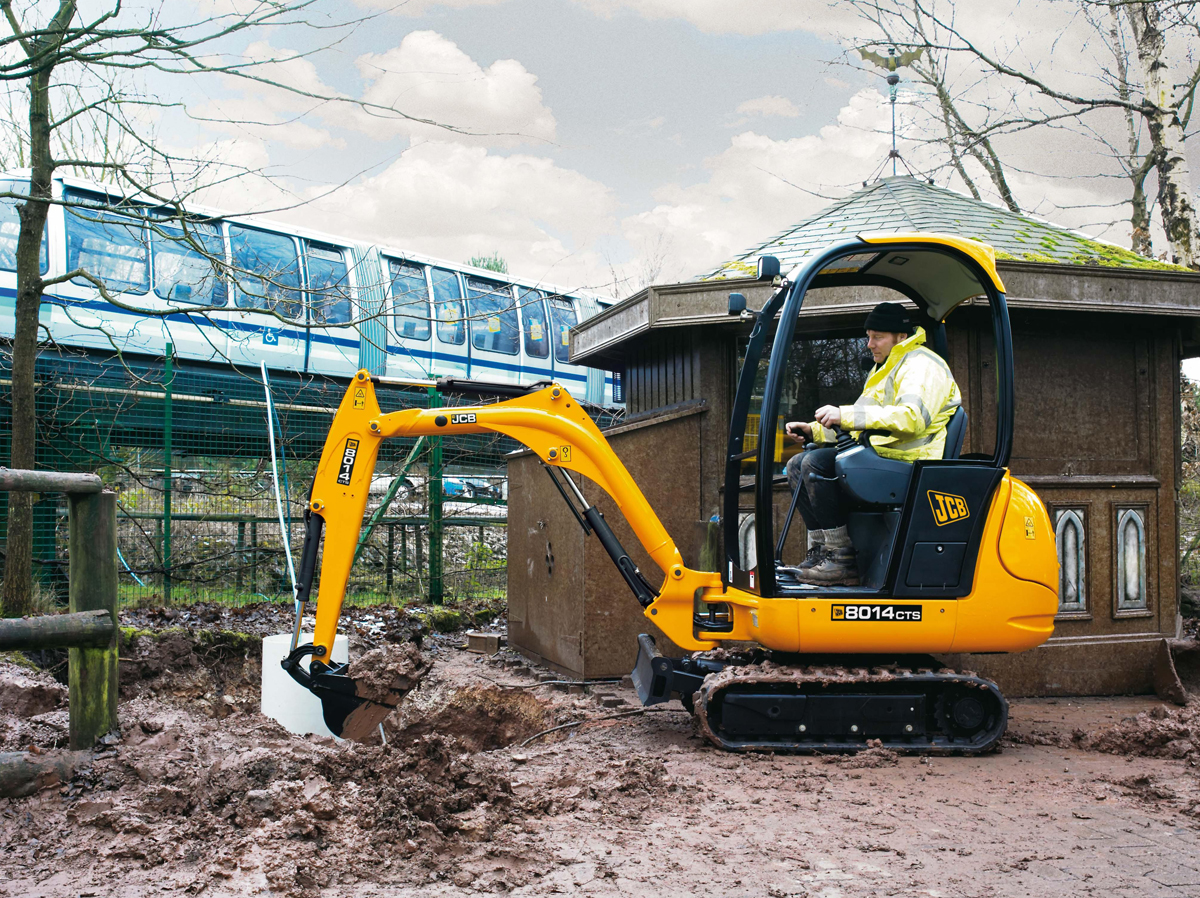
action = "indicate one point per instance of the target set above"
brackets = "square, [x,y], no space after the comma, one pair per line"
[658,679]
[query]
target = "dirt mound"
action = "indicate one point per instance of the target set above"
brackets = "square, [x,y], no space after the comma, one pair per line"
[482,718]
[646,776]
[27,692]
[388,673]
[875,755]
[383,622]
[221,668]
[1158,733]
[244,795]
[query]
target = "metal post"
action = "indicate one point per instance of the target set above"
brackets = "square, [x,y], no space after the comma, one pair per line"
[241,553]
[391,547]
[420,543]
[253,557]
[92,675]
[436,595]
[168,381]
[404,549]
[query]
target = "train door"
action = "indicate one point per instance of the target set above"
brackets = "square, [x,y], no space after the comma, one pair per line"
[115,250]
[410,349]
[495,333]
[187,265]
[332,339]
[450,353]
[266,273]
[563,317]
[535,337]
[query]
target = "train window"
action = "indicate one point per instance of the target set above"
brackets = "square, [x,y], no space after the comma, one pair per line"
[328,284]
[110,247]
[188,262]
[493,316]
[410,300]
[447,300]
[562,312]
[10,228]
[267,271]
[534,326]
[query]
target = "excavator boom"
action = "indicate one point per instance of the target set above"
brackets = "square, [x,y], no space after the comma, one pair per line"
[551,423]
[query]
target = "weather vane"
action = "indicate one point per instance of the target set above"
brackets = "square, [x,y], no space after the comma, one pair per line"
[890,64]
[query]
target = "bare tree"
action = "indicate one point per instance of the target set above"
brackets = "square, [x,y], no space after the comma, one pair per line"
[1162,31]
[967,126]
[70,77]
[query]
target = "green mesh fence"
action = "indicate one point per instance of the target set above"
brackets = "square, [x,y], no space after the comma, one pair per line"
[205,526]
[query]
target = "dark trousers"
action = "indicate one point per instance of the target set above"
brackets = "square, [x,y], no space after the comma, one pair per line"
[821,503]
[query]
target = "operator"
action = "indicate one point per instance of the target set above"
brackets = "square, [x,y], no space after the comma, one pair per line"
[910,393]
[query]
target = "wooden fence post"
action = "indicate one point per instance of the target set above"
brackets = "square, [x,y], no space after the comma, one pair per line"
[93,586]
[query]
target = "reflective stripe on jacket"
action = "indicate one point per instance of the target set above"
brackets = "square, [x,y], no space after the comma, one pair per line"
[912,395]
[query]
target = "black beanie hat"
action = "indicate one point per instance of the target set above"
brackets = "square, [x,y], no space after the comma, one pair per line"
[889,317]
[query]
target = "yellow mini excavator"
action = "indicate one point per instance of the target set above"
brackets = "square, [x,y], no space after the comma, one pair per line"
[955,554]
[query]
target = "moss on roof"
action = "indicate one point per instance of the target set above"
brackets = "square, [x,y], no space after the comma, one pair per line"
[907,204]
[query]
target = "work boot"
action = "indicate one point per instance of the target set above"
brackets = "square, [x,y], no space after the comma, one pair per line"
[816,549]
[837,565]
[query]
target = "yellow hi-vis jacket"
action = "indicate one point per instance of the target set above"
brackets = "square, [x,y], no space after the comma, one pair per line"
[912,395]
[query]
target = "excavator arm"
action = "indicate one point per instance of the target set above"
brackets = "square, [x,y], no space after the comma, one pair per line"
[551,423]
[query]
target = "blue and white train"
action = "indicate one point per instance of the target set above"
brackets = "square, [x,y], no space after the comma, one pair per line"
[345,305]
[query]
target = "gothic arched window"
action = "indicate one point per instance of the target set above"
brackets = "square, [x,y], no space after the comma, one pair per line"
[1131,560]
[1071,539]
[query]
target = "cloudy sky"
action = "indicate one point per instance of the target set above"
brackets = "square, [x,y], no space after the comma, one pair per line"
[596,143]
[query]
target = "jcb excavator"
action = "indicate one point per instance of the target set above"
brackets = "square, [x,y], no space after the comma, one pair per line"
[955,554]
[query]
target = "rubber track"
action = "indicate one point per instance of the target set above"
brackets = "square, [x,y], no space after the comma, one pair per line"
[816,680]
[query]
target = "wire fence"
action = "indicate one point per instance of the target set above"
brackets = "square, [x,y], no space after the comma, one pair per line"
[185,446]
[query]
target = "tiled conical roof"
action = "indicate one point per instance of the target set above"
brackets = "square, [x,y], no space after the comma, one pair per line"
[897,204]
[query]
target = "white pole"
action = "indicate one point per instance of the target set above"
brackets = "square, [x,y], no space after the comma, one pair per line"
[287,542]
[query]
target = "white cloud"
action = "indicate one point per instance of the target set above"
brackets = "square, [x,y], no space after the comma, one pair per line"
[409,91]
[454,201]
[421,7]
[748,17]
[770,106]
[747,196]
[429,77]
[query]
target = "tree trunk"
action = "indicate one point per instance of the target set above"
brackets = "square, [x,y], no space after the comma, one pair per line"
[1161,111]
[18,569]
[1139,218]
[1136,165]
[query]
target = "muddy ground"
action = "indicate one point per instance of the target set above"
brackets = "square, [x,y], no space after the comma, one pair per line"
[200,794]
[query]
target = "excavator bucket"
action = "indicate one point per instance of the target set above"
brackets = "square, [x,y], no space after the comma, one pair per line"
[352,708]
[348,713]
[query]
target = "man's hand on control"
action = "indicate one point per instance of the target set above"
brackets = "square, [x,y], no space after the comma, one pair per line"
[829,415]
[799,432]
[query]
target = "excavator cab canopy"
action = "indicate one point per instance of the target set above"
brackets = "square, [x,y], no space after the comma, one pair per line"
[780,382]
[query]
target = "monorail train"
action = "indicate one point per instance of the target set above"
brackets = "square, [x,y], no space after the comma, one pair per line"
[343,305]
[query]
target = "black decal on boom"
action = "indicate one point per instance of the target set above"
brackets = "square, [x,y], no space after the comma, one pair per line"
[349,455]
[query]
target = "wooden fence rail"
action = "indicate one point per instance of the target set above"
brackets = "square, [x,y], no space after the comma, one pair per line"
[89,631]
[83,629]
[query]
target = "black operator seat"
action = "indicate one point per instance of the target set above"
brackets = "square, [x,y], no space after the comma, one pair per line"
[874,480]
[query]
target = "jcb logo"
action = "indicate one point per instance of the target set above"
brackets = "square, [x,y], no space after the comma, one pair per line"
[948,509]
[464,418]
